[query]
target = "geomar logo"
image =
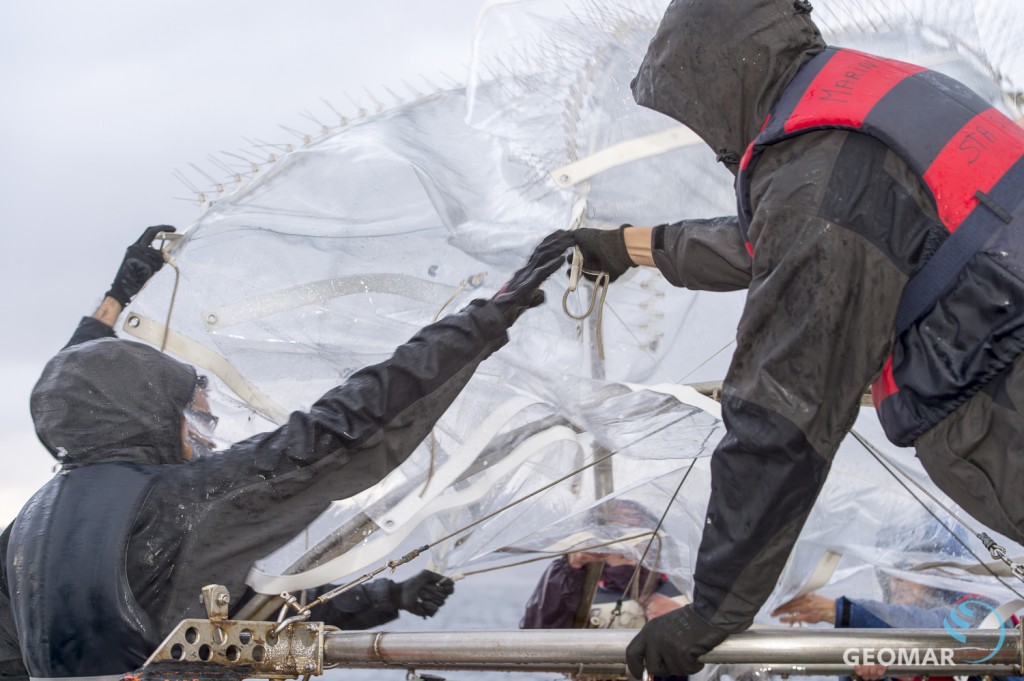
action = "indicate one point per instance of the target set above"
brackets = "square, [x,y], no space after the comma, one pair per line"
[963,613]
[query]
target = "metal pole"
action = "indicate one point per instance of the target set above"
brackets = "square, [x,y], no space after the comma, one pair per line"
[907,652]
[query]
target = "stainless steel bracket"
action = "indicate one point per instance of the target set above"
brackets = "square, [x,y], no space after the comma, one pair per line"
[297,650]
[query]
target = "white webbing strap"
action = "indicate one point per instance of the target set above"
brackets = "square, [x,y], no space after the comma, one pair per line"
[384,545]
[684,394]
[995,567]
[821,574]
[268,304]
[199,355]
[1001,615]
[622,153]
[402,512]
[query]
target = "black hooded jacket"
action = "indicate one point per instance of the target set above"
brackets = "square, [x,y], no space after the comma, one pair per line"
[839,224]
[107,557]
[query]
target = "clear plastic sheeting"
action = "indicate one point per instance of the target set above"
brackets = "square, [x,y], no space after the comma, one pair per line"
[341,250]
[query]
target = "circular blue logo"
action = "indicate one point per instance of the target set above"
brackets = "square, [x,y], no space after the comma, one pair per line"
[960,619]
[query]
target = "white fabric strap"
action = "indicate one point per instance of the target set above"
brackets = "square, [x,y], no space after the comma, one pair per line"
[405,510]
[821,574]
[1001,615]
[268,304]
[622,153]
[684,393]
[996,567]
[199,355]
[379,549]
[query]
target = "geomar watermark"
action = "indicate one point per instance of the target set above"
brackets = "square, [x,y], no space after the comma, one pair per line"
[964,612]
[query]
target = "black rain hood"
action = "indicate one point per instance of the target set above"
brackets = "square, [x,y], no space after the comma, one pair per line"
[112,400]
[718,66]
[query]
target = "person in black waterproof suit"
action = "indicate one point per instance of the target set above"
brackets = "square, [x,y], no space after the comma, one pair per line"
[832,224]
[107,557]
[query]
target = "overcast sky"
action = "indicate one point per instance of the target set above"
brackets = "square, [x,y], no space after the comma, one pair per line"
[102,101]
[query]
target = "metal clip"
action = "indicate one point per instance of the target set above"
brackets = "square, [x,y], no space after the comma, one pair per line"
[215,599]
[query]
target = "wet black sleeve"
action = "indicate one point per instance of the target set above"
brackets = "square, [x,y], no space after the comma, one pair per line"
[381,413]
[90,329]
[11,665]
[361,607]
[702,255]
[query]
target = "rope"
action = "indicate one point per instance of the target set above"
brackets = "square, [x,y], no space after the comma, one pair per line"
[520,500]
[416,552]
[549,555]
[602,279]
[716,354]
[458,289]
[636,572]
[558,481]
[303,612]
[170,306]
[997,551]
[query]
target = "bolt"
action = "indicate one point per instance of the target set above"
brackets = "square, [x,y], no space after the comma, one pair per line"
[223,599]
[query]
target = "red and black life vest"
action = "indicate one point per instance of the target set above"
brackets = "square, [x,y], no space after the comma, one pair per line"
[961,317]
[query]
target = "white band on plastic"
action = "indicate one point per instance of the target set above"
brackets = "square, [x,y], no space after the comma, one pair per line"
[292,297]
[684,393]
[622,153]
[199,355]
[385,545]
[998,617]
[402,512]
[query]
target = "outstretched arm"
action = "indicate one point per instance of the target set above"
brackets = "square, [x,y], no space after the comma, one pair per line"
[262,491]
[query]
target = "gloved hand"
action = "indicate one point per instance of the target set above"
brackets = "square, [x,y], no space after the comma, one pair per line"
[422,594]
[604,250]
[670,644]
[141,261]
[522,291]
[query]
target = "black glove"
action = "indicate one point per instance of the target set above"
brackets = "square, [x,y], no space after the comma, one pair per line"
[141,261]
[522,291]
[603,250]
[670,644]
[422,594]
